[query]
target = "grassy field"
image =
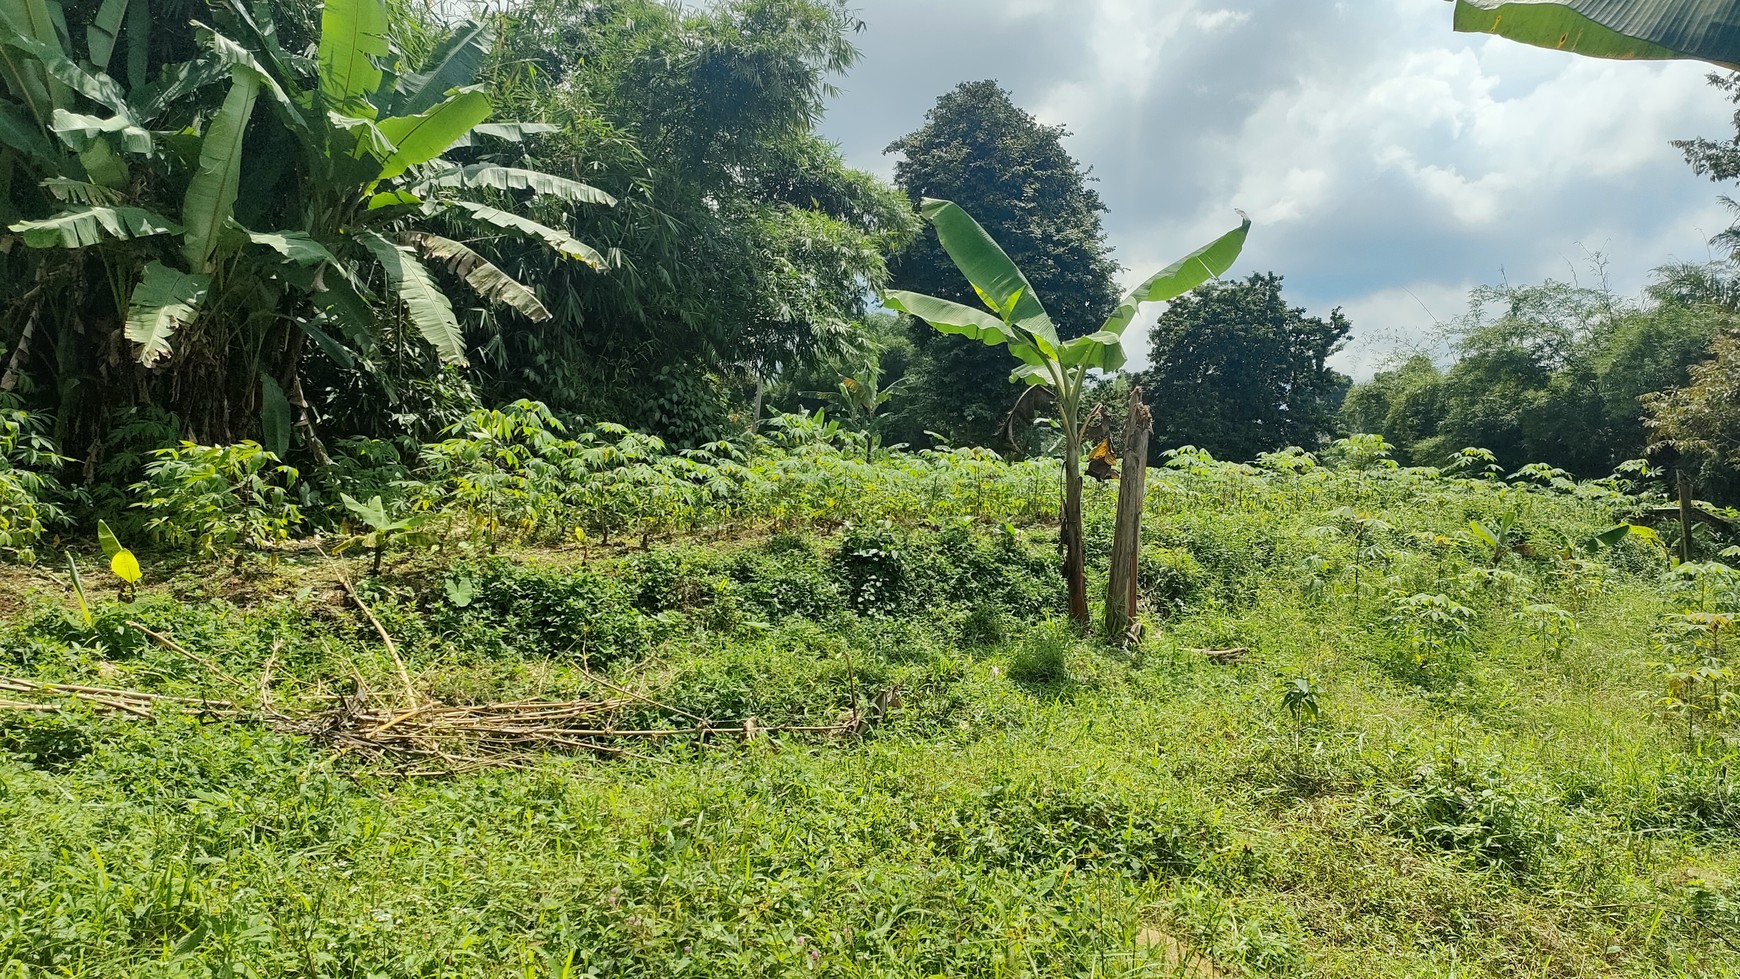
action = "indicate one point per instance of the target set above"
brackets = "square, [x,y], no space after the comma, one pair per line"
[1500,759]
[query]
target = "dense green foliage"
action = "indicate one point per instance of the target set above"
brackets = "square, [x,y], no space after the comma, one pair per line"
[1235,370]
[1552,373]
[980,150]
[287,236]
[1509,765]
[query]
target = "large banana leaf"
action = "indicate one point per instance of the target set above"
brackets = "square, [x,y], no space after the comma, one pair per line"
[211,192]
[79,131]
[427,305]
[275,423]
[297,247]
[420,138]
[564,243]
[478,272]
[514,178]
[1708,30]
[975,324]
[237,57]
[454,64]
[1105,348]
[99,88]
[27,81]
[994,277]
[82,226]
[352,34]
[102,31]
[164,301]
[510,132]
[20,132]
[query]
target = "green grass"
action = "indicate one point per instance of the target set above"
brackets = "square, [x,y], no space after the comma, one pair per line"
[1492,802]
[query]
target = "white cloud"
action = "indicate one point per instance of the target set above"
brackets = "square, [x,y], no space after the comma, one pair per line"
[1381,156]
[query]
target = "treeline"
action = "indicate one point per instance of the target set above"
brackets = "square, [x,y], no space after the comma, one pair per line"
[302,226]
[1570,376]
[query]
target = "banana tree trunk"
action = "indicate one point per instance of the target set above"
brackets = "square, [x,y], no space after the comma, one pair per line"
[1074,549]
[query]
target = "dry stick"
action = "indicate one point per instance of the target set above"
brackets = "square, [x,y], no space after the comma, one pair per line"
[392,647]
[644,699]
[173,646]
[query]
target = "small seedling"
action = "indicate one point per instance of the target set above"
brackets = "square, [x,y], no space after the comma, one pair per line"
[382,527]
[121,561]
[1300,699]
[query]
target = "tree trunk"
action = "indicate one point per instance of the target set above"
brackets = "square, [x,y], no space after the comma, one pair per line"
[755,405]
[1127,537]
[1074,549]
[1685,487]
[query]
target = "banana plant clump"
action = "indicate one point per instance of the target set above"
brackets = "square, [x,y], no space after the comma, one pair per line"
[1018,319]
[192,254]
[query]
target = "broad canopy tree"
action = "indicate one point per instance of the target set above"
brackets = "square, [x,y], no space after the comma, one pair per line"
[1238,372]
[980,150]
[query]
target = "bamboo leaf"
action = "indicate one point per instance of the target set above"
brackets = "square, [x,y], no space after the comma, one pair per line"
[211,193]
[164,301]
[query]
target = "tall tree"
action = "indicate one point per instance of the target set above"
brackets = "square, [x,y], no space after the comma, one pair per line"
[1237,371]
[990,156]
[742,248]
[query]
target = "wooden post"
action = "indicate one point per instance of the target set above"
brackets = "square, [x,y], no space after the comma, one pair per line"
[1127,536]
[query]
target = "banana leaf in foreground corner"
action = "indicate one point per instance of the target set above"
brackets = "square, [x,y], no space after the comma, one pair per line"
[1706,30]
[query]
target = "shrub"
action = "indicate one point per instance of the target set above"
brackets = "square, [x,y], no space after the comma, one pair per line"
[871,570]
[677,579]
[1470,808]
[29,491]
[784,579]
[210,498]
[548,612]
[1169,577]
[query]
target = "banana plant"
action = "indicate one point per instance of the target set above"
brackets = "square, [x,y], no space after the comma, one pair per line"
[383,528]
[861,396]
[1015,317]
[354,159]
[1705,30]
[122,562]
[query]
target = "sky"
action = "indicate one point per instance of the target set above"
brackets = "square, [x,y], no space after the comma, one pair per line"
[1389,165]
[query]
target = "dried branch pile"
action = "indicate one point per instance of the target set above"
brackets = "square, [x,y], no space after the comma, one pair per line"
[422,735]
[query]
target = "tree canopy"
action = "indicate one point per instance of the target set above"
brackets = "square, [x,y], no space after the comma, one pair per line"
[1237,371]
[990,156]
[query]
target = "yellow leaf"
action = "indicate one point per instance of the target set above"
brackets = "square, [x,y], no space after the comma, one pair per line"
[126,566]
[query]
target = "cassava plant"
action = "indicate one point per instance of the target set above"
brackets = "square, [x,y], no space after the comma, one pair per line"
[1017,318]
